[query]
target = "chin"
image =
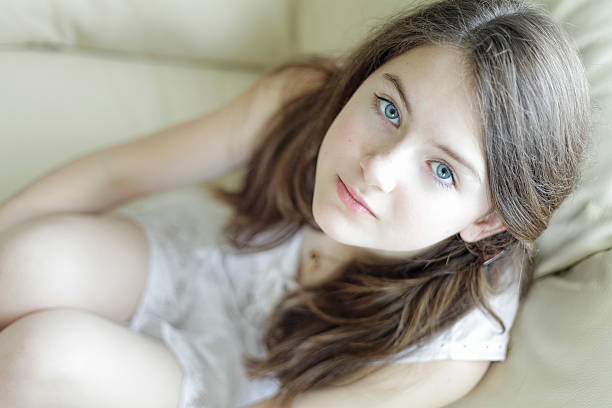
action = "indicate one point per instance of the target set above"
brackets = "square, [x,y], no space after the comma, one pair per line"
[322,218]
[334,227]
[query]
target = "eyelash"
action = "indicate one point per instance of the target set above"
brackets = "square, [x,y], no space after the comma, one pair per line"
[447,186]
[376,108]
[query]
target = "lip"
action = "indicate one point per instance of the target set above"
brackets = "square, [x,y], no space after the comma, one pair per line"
[352,199]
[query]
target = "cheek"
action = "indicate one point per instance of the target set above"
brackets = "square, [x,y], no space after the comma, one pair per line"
[348,129]
[432,216]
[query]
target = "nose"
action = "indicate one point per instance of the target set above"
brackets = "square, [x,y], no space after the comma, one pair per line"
[382,168]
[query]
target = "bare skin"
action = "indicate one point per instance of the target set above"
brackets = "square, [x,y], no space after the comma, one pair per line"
[46,291]
[97,265]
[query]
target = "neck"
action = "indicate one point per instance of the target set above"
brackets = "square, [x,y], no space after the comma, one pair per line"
[321,255]
[326,246]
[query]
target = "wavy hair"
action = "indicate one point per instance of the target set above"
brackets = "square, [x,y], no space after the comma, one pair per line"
[535,109]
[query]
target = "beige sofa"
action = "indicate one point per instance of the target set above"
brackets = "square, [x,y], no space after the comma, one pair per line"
[83,75]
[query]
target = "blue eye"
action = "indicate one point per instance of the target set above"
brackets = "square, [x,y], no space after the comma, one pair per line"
[444,174]
[389,110]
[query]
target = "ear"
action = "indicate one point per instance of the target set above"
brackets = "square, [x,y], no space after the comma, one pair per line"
[482,228]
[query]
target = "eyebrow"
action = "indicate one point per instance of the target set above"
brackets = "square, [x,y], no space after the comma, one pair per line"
[397,82]
[459,160]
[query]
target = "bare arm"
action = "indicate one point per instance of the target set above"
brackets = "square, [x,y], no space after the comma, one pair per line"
[185,154]
[208,146]
[432,384]
[81,185]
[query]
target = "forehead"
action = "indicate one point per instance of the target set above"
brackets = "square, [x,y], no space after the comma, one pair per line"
[442,103]
[439,73]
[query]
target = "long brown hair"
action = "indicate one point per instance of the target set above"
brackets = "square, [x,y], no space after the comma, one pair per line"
[534,102]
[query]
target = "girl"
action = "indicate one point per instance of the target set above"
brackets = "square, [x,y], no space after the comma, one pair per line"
[381,241]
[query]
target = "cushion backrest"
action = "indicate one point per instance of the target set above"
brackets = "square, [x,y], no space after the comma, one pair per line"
[255,33]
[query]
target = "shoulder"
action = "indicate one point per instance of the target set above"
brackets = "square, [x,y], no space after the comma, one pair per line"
[295,78]
[400,385]
[413,382]
[268,95]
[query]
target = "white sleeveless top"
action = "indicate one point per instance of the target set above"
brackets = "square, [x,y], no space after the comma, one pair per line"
[205,301]
[260,280]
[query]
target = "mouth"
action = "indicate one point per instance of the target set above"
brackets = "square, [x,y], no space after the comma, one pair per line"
[350,198]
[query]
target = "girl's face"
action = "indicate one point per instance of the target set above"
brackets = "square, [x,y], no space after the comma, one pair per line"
[415,160]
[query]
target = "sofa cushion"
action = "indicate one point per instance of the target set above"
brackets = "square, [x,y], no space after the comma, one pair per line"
[559,351]
[583,224]
[332,27]
[237,31]
[59,106]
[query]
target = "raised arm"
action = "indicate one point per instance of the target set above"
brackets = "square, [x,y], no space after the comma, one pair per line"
[189,153]
[206,147]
